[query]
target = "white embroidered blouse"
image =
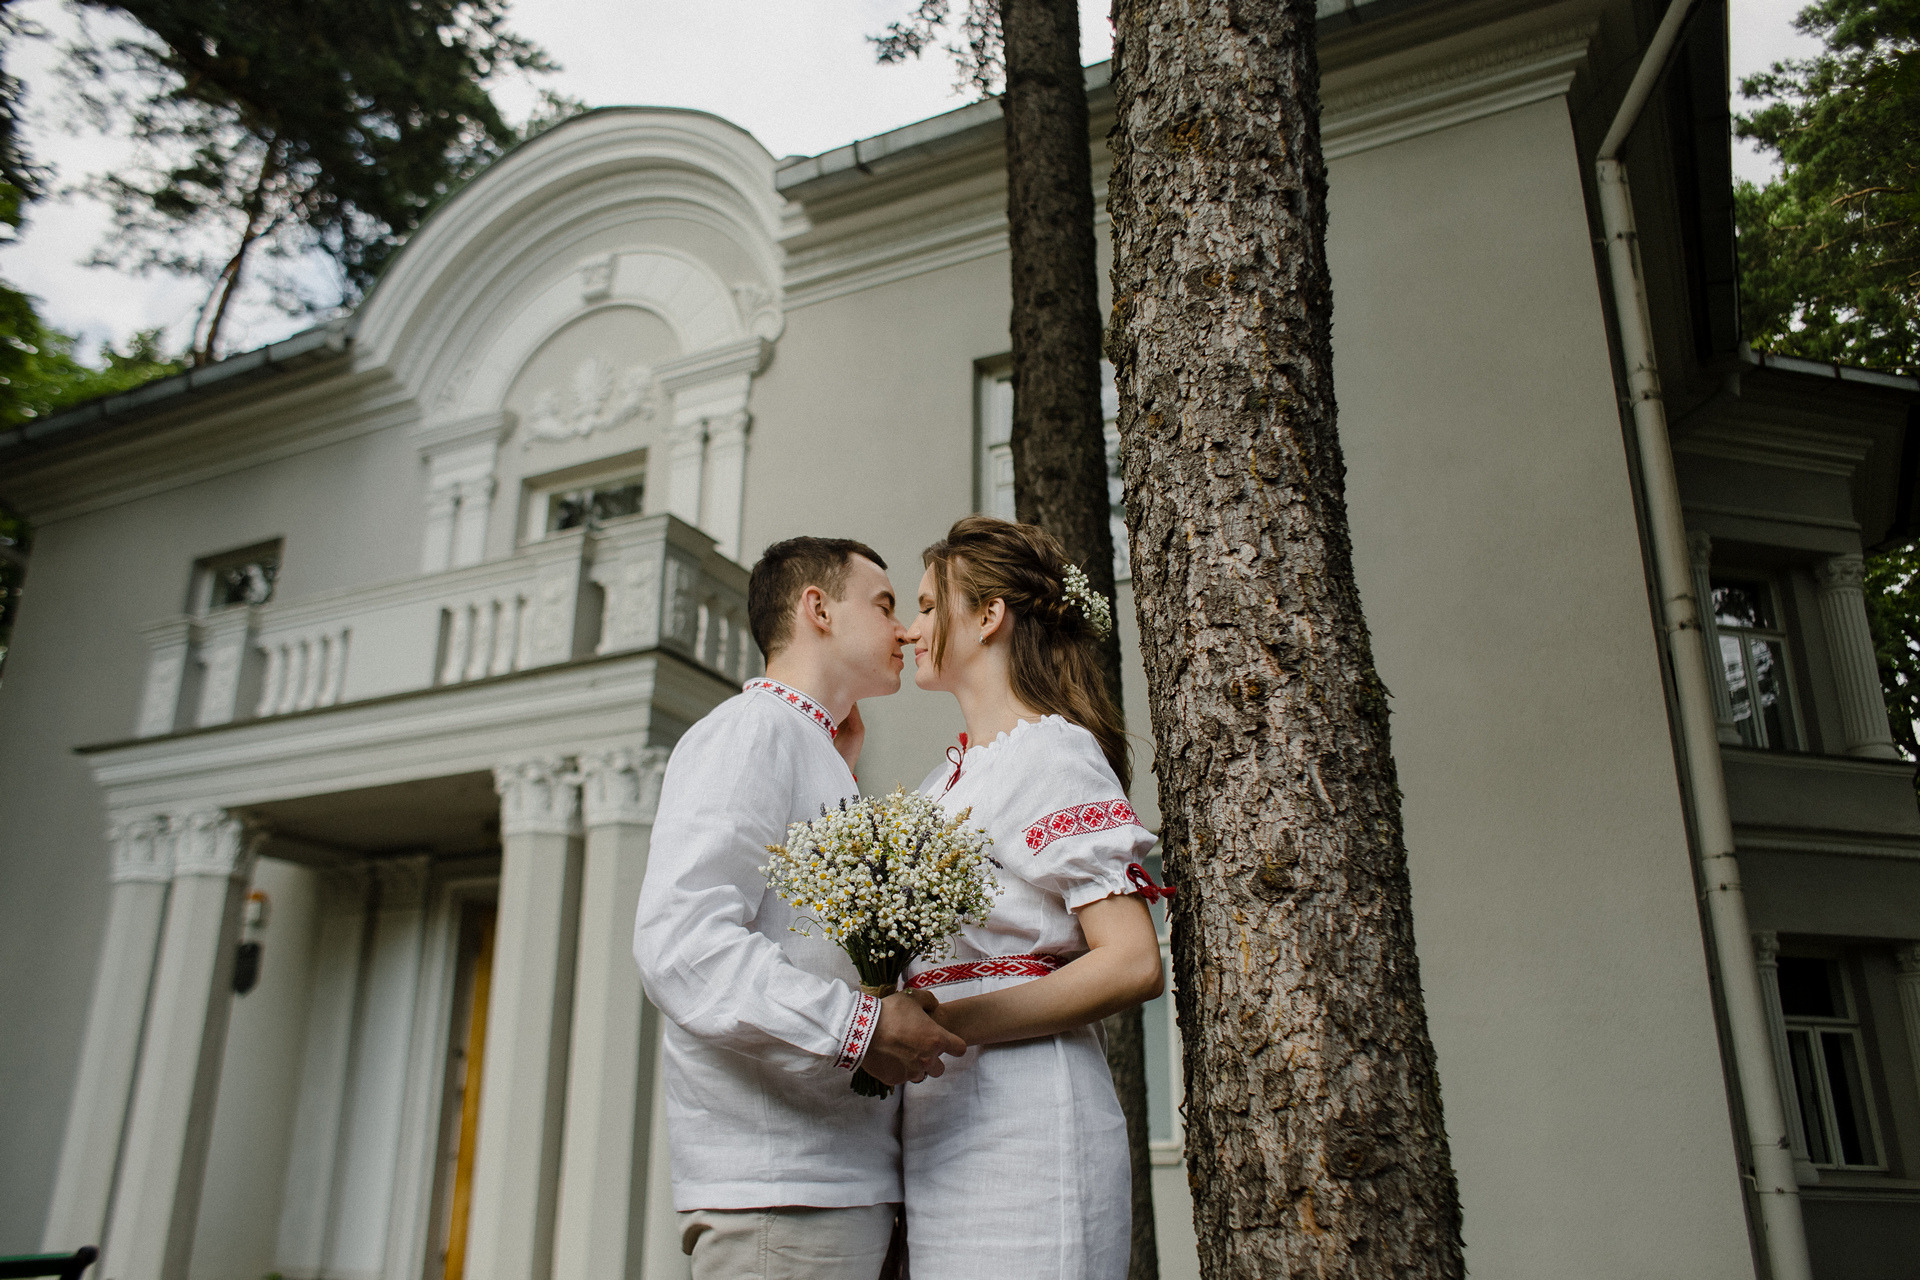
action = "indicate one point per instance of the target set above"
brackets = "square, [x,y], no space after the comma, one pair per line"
[1063,836]
[758,1017]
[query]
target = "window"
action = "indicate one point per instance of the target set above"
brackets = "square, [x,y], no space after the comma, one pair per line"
[1753,661]
[994,460]
[1827,1056]
[568,500]
[234,579]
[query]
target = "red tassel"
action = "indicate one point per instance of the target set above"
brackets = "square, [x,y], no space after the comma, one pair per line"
[1140,879]
[959,756]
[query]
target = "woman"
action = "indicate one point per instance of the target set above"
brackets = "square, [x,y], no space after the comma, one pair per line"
[1016,1159]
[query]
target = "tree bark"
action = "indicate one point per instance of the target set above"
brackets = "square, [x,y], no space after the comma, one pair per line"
[1059,443]
[1315,1139]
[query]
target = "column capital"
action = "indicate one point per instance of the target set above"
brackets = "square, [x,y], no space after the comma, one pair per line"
[403,881]
[211,842]
[1700,547]
[1766,947]
[538,795]
[621,784]
[1908,959]
[1841,573]
[142,845]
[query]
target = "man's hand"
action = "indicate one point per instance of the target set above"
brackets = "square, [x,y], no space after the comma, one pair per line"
[907,1045]
[849,737]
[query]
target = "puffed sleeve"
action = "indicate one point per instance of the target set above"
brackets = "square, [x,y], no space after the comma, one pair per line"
[701,962]
[1077,835]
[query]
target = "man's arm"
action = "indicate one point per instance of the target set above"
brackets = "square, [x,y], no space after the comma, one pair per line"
[702,963]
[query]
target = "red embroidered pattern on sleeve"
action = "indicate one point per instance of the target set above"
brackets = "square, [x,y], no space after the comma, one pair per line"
[866,1018]
[1078,821]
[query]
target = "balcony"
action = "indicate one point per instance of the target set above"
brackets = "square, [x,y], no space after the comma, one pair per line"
[1822,804]
[633,584]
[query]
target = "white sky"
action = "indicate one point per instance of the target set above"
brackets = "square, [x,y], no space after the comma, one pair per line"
[800,77]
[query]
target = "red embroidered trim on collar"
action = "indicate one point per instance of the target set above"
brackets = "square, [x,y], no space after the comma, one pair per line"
[1079,820]
[799,701]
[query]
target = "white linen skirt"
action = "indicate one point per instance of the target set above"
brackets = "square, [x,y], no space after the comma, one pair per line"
[1016,1162]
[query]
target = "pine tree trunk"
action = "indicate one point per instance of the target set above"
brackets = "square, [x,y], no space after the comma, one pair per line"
[1059,445]
[1315,1141]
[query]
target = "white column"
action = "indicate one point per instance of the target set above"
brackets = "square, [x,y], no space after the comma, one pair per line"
[727,479]
[600,1230]
[157,1201]
[168,690]
[142,850]
[340,947]
[662,1259]
[686,467]
[1843,608]
[1700,551]
[225,650]
[470,520]
[523,1094]
[436,548]
[1908,982]
[1766,958]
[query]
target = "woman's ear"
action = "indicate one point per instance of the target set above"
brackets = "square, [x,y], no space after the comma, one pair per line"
[995,619]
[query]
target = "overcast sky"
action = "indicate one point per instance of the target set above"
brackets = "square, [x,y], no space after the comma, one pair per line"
[800,77]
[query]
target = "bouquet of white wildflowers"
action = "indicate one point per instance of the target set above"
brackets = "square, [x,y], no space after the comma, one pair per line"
[890,879]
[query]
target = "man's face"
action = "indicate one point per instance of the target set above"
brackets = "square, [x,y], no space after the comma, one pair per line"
[866,636]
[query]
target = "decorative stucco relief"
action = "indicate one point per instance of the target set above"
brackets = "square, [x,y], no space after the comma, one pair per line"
[600,398]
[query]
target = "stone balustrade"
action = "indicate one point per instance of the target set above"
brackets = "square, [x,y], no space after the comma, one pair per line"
[633,584]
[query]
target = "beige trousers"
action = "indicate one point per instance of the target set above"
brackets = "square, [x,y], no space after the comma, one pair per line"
[788,1243]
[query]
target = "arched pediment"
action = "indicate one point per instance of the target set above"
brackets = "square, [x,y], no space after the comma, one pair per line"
[666,210]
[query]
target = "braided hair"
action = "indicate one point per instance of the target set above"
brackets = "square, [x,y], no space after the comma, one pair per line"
[1054,664]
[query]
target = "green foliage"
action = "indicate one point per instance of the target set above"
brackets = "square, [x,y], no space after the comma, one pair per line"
[979,58]
[39,374]
[1891,583]
[1830,250]
[290,127]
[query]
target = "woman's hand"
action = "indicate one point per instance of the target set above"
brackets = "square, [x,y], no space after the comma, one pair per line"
[1120,970]
[851,736]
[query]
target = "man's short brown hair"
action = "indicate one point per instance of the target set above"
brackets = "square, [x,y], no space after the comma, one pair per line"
[788,568]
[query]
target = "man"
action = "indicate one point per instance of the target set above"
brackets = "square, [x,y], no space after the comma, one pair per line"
[779,1168]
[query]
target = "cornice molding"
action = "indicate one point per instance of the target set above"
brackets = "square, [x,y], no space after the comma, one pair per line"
[454,433]
[1772,444]
[748,356]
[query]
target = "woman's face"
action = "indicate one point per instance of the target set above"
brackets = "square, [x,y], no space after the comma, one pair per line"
[963,626]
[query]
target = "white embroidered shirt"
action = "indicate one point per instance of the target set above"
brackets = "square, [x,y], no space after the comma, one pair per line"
[762,1024]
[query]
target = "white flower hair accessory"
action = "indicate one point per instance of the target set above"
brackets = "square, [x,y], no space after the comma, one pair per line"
[1092,605]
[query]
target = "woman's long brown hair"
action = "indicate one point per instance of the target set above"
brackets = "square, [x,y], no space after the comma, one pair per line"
[1053,667]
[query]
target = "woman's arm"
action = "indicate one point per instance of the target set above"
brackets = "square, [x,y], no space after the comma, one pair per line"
[1121,969]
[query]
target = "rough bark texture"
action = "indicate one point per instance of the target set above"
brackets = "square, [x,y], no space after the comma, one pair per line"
[1059,446]
[1315,1139]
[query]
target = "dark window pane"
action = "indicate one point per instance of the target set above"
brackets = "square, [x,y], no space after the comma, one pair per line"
[567,511]
[624,501]
[1735,667]
[1769,678]
[1849,1097]
[250,583]
[1806,1088]
[1810,988]
[1741,604]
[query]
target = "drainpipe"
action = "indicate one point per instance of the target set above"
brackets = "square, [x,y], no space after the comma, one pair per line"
[1783,1233]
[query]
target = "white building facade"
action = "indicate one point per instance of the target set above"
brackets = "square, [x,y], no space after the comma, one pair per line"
[347,669]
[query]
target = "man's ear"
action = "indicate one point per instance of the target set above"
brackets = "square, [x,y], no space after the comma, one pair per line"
[811,611]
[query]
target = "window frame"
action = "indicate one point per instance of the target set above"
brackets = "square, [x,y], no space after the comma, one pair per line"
[601,474]
[1849,1025]
[1769,587]
[205,577]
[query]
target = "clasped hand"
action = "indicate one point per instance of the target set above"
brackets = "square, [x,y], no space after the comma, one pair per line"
[907,1046]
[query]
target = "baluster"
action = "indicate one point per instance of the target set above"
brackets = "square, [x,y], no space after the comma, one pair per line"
[486,624]
[506,637]
[270,682]
[458,628]
[312,657]
[337,677]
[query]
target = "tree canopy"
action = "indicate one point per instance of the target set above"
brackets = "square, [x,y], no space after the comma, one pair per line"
[289,128]
[1830,248]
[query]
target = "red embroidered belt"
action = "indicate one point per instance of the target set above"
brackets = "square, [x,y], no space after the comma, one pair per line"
[997,967]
